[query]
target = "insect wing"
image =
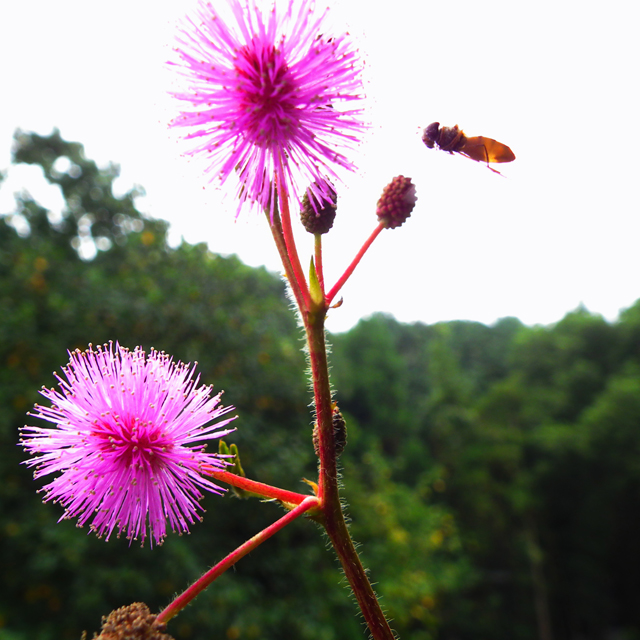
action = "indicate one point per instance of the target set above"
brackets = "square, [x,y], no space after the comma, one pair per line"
[487,150]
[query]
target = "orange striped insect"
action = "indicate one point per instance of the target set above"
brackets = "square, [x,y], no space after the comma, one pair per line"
[478,148]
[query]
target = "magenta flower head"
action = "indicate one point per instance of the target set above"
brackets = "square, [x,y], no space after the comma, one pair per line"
[128,443]
[270,90]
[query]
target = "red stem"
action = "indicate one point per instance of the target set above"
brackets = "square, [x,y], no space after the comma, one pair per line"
[266,490]
[275,224]
[345,276]
[328,489]
[292,252]
[200,585]
[333,517]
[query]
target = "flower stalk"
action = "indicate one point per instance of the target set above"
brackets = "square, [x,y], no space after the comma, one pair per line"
[292,252]
[354,263]
[259,488]
[200,585]
[278,236]
[317,241]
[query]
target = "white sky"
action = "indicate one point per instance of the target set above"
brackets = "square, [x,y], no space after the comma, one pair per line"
[556,80]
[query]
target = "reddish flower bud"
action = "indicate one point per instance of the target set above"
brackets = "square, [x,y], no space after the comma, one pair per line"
[319,210]
[396,202]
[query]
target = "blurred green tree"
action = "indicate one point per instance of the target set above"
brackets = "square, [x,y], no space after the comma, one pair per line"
[492,472]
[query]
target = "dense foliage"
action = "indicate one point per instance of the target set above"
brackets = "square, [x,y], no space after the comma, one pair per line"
[530,439]
[491,473]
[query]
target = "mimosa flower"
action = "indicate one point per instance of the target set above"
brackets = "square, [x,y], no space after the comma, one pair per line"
[269,90]
[128,442]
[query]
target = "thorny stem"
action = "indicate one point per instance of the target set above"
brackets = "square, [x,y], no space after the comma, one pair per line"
[345,276]
[197,587]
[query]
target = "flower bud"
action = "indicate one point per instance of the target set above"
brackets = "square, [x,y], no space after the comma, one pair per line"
[134,622]
[396,202]
[317,214]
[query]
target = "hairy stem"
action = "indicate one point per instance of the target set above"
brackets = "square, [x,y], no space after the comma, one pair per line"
[333,517]
[275,224]
[313,313]
[292,251]
[200,585]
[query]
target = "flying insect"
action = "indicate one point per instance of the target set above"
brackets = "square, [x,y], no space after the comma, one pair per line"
[478,148]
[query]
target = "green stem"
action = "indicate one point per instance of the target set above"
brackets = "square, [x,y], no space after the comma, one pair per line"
[318,252]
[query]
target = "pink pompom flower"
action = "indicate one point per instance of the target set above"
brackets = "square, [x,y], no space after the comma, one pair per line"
[270,90]
[128,442]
